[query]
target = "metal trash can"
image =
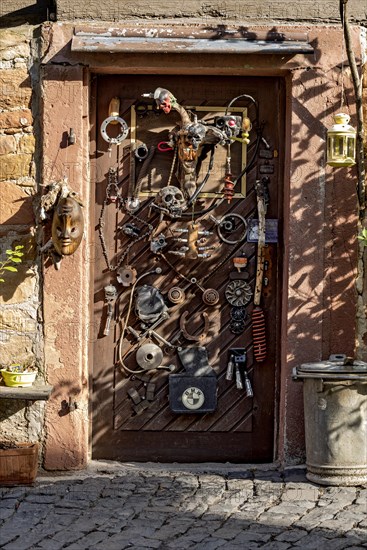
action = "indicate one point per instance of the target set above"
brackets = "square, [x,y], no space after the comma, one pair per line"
[335,405]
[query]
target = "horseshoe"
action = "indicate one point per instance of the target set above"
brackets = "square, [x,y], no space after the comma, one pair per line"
[188,336]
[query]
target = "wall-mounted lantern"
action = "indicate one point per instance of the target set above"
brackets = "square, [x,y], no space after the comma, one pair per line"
[341,142]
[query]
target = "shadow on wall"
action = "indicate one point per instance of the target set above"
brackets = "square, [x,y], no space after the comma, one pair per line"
[32,12]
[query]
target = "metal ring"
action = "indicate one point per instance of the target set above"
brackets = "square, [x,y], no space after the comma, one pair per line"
[122,135]
[227,241]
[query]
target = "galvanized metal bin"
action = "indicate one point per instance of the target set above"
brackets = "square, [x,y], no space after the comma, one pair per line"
[335,405]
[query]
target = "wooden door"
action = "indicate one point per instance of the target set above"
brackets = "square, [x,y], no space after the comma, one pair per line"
[241,429]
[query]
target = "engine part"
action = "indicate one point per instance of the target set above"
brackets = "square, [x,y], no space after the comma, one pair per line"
[176,295]
[210,297]
[199,337]
[157,244]
[132,204]
[238,314]
[131,230]
[229,124]
[124,130]
[238,293]
[149,356]
[192,238]
[237,327]
[228,225]
[149,304]
[126,275]
[110,292]
[230,368]
[141,152]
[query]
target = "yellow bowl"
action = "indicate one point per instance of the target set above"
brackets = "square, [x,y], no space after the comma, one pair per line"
[18,379]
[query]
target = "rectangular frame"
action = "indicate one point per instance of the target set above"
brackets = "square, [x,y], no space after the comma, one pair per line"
[241,193]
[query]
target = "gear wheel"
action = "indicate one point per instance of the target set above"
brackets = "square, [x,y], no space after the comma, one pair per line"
[238,314]
[236,327]
[238,293]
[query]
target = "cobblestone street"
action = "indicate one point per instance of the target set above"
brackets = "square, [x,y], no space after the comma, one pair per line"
[115,506]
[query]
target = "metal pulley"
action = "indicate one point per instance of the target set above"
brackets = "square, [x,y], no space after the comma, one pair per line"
[238,293]
[176,295]
[149,356]
[210,297]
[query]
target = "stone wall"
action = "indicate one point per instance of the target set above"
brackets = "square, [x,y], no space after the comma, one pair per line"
[20,299]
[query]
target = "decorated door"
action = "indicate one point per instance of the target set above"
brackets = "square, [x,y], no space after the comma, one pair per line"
[186,309]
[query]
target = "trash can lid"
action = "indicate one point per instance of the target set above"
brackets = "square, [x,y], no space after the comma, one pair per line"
[338,367]
[325,367]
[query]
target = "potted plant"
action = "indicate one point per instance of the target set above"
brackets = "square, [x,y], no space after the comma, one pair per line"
[18,461]
[19,375]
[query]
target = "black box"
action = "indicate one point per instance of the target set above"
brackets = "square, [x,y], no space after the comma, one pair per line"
[192,394]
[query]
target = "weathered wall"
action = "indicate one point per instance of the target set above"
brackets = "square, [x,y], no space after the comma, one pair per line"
[258,11]
[20,313]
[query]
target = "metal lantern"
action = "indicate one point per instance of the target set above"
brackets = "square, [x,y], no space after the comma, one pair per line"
[341,142]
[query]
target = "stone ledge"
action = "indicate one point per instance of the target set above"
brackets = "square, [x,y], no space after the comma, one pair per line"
[33,393]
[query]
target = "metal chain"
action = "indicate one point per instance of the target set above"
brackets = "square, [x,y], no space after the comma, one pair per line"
[112,183]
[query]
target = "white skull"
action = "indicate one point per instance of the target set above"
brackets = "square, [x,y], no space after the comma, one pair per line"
[195,134]
[172,198]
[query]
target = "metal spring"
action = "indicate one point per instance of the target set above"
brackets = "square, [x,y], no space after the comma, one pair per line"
[228,190]
[258,334]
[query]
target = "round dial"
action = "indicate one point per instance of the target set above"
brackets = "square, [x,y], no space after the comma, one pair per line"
[193,398]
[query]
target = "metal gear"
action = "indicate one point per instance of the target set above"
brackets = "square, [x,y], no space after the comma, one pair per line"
[238,293]
[236,327]
[126,275]
[238,313]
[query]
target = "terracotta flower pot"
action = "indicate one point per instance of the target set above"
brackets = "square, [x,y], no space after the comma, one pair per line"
[18,465]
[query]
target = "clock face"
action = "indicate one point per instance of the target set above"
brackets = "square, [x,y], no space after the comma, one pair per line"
[193,398]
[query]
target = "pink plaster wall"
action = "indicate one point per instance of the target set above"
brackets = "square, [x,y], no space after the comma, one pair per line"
[319,248]
[66,291]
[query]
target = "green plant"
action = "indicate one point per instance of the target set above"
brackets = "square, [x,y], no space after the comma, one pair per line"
[14,256]
[363,236]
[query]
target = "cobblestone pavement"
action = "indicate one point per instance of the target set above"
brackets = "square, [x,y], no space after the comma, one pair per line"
[115,506]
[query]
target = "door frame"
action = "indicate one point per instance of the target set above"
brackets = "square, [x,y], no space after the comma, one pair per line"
[310,97]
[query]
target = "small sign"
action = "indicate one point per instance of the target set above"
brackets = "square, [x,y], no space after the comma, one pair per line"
[271,231]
